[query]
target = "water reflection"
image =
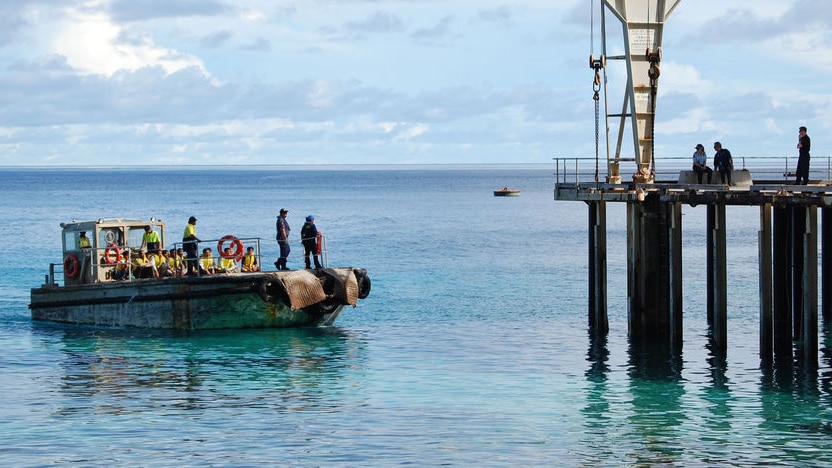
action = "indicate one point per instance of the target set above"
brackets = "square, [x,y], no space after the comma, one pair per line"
[130,370]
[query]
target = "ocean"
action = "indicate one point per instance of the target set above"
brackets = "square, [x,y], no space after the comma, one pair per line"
[471,350]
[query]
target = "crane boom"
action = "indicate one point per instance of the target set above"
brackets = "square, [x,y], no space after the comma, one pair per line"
[643,26]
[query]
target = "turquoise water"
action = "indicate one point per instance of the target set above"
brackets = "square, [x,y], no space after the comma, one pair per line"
[472,348]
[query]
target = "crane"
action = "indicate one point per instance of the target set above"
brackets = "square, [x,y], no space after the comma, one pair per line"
[642,23]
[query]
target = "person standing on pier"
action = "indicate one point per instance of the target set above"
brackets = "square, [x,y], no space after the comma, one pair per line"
[283,230]
[700,164]
[724,163]
[803,145]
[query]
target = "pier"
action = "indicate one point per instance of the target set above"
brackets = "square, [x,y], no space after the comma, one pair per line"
[788,250]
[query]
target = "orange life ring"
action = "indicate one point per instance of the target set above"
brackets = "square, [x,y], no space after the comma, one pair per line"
[110,248]
[236,244]
[72,267]
[319,241]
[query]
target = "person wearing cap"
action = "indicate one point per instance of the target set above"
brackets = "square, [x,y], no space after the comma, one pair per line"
[724,163]
[700,164]
[190,243]
[309,239]
[283,229]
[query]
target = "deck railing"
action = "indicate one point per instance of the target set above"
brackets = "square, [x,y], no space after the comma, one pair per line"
[94,267]
[775,168]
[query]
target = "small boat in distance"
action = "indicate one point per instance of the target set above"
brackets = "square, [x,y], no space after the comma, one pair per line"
[507,192]
[100,284]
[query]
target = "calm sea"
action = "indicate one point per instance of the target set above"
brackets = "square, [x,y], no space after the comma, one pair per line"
[471,350]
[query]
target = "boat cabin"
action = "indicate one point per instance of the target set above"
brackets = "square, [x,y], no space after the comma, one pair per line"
[92,249]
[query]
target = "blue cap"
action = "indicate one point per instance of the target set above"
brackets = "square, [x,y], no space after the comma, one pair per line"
[310,218]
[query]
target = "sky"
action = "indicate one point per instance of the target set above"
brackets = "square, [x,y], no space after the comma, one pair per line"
[238,82]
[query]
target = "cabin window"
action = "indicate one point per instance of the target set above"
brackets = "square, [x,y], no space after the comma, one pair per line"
[70,240]
[134,236]
[111,236]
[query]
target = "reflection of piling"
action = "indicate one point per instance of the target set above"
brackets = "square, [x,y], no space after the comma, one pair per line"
[788,262]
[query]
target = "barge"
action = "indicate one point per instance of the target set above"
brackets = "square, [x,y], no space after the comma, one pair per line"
[102,286]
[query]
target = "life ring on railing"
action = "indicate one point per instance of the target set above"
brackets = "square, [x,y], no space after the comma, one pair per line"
[72,267]
[108,252]
[236,244]
[319,242]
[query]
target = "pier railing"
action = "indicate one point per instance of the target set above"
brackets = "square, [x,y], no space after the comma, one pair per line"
[768,168]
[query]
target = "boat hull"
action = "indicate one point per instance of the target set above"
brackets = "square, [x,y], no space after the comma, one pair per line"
[242,300]
[507,193]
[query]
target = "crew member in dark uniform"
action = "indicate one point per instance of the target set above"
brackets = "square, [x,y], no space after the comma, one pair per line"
[309,238]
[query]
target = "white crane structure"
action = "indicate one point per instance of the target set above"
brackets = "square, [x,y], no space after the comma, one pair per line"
[643,25]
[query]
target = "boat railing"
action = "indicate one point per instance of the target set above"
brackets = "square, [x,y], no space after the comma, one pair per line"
[582,170]
[95,265]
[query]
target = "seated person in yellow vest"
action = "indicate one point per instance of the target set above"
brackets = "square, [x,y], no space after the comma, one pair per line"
[122,270]
[84,241]
[143,267]
[176,262]
[207,266]
[162,259]
[250,261]
[228,264]
[150,240]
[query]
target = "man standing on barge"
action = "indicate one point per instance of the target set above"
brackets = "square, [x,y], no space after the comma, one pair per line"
[190,244]
[283,230]
[803,145]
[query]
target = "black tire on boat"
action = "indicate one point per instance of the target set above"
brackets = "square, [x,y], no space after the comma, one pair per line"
[364,283]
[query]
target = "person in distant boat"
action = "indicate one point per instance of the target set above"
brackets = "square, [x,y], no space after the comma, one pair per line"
[724,163]
[207,265]
[309,239]
[150,240]
[700,164]
[228,264]
[190,243]
[283,229]
[250,264]
[804,143]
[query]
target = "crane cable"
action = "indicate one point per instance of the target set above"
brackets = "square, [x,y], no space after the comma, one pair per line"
[596,65]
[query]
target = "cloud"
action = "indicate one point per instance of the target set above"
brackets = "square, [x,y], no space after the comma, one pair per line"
[216,39]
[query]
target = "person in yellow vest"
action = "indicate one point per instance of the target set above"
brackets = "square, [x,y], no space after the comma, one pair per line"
[228,264]
[150,240]
[190,242]
[142,266]
[176,262]
[207,265]
[86,257]
[250,261]
[163,263]
[84,241]
[122,271]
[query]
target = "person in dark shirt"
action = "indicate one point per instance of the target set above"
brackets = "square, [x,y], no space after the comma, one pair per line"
[724,163]
[804,143]
[309,238]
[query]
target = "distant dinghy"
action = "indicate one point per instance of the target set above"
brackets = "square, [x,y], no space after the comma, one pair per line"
[507,192]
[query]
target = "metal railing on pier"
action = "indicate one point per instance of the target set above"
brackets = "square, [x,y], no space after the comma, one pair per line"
[579,170]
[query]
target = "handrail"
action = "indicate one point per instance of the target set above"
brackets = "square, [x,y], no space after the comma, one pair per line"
[761,167]
[100,271]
